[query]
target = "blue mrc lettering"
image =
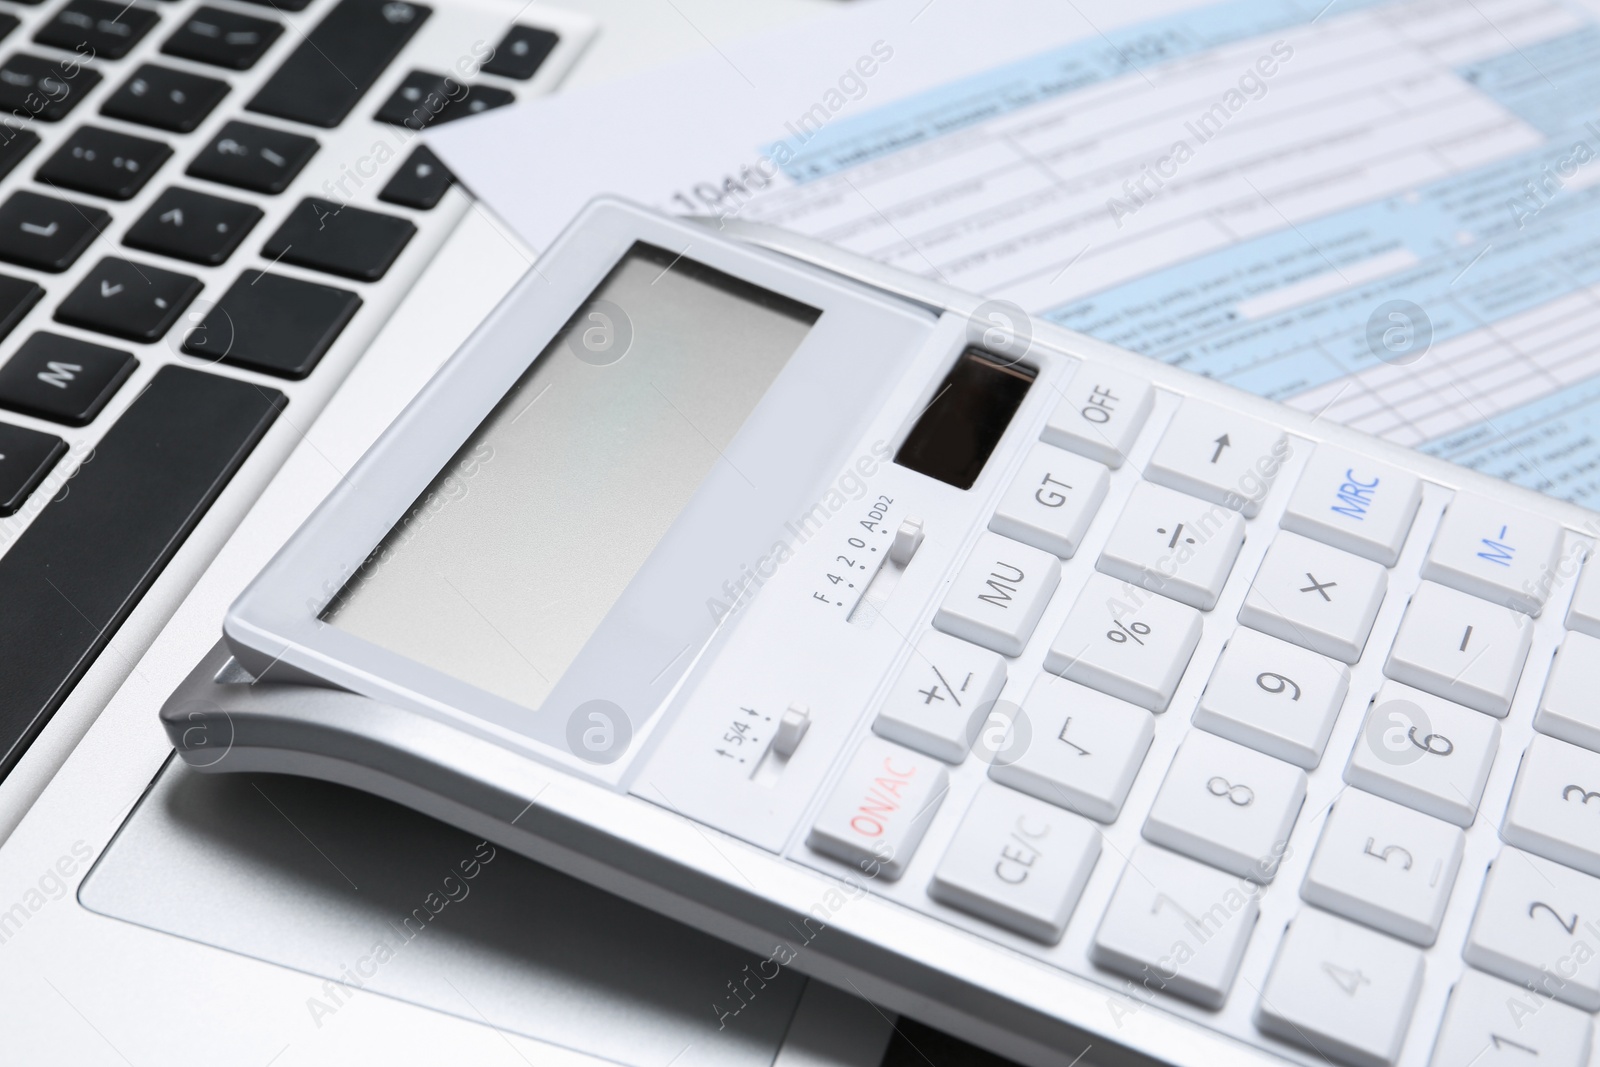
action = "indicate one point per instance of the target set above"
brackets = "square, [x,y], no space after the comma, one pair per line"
[1356,496]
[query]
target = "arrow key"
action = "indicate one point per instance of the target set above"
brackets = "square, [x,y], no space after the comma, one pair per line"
[130,300]
[1219,455]
[194,226]
[45,233]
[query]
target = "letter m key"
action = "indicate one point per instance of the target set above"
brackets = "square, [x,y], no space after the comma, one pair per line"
[59,374]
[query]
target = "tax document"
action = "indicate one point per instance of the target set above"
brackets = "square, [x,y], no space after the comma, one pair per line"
[1384,211]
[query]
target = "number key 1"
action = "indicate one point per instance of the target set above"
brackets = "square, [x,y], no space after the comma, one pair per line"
[1490,1023]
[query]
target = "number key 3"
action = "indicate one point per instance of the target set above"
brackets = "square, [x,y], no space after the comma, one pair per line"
[1553,809]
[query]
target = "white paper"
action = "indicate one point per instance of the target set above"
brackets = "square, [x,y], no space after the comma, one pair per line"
[1384,210]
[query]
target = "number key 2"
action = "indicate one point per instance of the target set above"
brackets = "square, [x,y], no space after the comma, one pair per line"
[1536,926]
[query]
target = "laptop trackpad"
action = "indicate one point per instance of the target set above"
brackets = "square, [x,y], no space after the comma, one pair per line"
[348,886]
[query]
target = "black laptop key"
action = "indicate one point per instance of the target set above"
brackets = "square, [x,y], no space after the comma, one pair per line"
[521,52]
[253,157]
[17,297]
[9,23]
[271,323]
[97,29]
[45,233]
[421,181]
[339,61]
[104,162]
[26,456]
[33,87]
[323,235]
[425,99]
[223,38]
[419,98]
[63,379]
[194,226]
[282,5]
[165,98]
[15,144]
[76,572]
[131,300]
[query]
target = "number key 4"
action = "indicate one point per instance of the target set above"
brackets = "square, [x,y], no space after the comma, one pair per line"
[1341,990]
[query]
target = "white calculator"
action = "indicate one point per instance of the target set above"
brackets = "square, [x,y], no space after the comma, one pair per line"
[1058,697]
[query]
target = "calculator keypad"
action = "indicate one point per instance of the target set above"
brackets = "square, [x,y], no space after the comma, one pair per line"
[1045,698]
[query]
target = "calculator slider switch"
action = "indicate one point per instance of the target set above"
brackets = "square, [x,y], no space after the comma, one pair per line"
[907,539]
[791,730]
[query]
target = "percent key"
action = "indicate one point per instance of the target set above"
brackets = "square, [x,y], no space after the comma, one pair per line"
[1126,642]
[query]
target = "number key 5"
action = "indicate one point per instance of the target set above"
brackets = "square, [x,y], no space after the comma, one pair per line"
[1386,866]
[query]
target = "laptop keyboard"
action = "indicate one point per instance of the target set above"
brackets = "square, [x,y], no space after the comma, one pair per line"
[199,201]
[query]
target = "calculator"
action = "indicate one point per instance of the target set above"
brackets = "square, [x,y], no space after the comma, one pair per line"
[1079,704]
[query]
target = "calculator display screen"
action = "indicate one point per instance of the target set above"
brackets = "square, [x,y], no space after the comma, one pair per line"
[504,567]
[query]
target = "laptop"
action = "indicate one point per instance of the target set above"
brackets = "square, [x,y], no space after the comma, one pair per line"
[227,260]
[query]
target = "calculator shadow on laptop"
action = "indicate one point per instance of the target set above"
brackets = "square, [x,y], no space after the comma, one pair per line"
[375,897]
